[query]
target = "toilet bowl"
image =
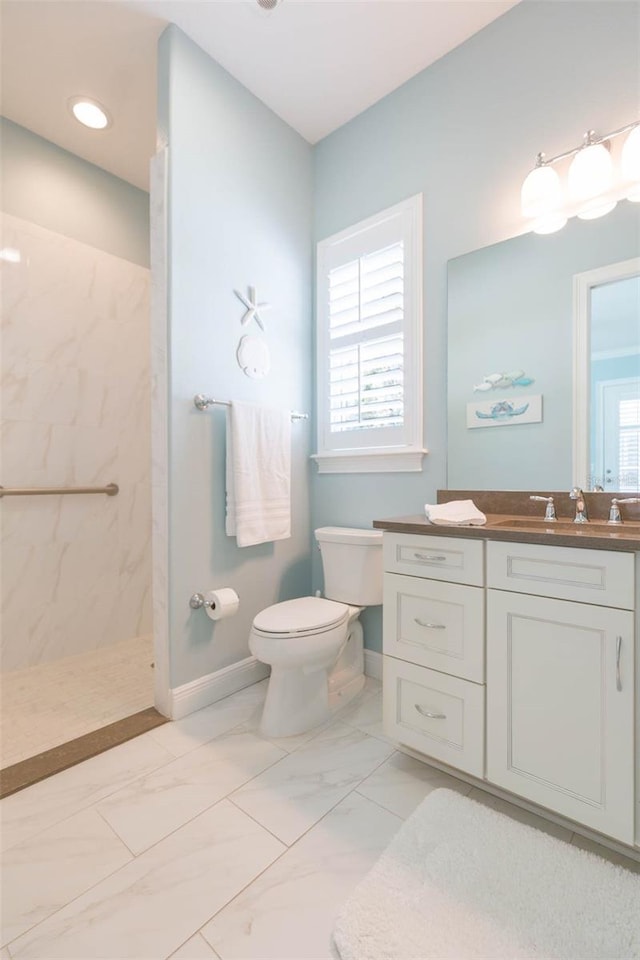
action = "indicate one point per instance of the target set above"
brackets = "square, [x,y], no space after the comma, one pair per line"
[314,645]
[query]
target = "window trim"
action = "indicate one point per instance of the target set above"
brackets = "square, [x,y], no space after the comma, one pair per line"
[331,251]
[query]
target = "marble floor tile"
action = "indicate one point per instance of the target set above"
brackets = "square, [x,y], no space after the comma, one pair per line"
[30,811]
[156,805]
[584,843]
[288,913]
[195,948]
[401,783]
[182,736]
[295,793]
[45,872]
[520,814]
[156,902]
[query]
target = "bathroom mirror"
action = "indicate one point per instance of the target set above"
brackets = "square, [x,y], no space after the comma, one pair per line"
[518,416]
[606,429]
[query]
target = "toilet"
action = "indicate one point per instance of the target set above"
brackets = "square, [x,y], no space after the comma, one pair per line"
[314,645]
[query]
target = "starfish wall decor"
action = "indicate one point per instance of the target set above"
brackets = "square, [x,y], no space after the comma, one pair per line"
[253,308]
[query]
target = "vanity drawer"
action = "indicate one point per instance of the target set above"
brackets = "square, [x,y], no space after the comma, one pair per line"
[566,573]
[435,624]
[439,558]
[438,715]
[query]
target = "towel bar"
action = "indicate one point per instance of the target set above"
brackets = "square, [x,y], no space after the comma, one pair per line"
[202,403]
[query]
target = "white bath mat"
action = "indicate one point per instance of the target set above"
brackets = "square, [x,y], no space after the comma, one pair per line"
[463,881]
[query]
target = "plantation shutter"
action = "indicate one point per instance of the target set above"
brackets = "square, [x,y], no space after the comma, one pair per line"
[366,351]
[369,344]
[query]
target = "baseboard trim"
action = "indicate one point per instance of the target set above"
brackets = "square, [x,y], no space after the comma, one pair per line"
[215,686]
[373,664]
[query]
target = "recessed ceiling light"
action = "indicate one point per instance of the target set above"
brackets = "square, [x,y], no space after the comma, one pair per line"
[90,113]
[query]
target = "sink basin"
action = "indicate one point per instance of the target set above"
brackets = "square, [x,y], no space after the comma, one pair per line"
[567,526]
[535,524]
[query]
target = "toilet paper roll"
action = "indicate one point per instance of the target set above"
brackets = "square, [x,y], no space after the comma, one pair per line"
[221,603]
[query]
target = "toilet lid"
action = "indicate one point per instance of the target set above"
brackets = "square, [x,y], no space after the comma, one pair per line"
[300,616]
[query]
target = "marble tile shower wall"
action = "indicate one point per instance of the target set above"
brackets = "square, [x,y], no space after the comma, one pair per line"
[76,570]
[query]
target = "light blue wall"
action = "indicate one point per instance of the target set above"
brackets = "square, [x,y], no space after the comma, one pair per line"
[465,132]
[46,185]
[239,214]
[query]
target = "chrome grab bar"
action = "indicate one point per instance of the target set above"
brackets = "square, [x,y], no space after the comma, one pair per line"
[111,490]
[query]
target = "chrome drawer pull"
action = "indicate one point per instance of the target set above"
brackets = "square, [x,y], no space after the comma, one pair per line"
[424,556]
[431,716]
[618,653]
[431,626]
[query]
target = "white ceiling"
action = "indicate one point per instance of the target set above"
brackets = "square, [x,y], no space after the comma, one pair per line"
[316,63]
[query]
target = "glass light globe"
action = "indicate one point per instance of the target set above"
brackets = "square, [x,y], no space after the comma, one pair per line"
[541,193]
[630,164]
[591,176]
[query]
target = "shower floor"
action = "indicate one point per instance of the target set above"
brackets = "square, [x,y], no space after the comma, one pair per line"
[51,703]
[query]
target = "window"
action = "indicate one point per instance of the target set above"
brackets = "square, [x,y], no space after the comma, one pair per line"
[369,344]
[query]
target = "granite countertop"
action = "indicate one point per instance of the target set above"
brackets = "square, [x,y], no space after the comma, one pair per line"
[515,518]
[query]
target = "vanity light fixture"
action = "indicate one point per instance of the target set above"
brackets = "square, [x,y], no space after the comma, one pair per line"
[592,191]
[90,113]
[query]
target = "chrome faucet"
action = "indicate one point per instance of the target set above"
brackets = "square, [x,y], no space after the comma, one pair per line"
[550,510]
[614,513]
[581,507]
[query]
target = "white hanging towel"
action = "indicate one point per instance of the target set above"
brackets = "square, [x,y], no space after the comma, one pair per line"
[456,513]
[258,474]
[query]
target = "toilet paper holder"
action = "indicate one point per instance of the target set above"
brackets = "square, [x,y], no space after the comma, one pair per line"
[197,601]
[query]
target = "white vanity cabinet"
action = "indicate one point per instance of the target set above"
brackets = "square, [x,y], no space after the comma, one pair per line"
[515,662]
[433,641]
[561,681]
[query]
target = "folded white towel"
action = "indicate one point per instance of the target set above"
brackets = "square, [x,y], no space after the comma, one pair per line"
[457,513]
[258,474]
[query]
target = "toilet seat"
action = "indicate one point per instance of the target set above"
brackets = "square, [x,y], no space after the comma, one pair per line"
[303,617]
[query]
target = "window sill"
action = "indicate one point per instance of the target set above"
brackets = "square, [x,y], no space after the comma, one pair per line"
[370,461]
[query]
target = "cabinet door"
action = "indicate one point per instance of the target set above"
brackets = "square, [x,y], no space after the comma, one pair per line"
[560,707]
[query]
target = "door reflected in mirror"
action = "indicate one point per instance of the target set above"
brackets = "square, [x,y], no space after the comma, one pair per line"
[613,416]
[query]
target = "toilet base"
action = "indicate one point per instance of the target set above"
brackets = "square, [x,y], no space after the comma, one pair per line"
[296,702]
[340,697]
[300,699]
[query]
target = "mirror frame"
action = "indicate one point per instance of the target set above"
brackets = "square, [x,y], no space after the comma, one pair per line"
[583,283]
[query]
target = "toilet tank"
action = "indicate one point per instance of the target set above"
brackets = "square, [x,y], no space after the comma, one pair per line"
[352,564]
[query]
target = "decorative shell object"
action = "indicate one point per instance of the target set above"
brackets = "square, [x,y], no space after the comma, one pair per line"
[253,357]
[500,381]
